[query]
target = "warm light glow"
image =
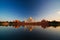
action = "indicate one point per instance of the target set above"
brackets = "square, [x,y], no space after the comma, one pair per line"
[58,12]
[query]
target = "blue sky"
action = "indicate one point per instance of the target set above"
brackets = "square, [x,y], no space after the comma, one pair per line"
[13,9]
[23,9]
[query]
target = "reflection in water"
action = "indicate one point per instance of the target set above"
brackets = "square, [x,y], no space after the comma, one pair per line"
[31,27]
[37,33]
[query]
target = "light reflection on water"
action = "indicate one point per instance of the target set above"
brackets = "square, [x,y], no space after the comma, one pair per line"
[11,29]
[38,32]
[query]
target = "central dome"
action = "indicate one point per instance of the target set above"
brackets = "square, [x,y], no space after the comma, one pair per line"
[30,20]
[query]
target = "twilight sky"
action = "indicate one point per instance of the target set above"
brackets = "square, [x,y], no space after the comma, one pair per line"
[22,9]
